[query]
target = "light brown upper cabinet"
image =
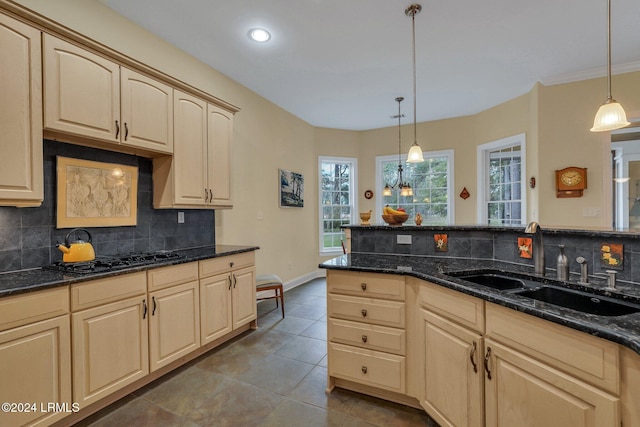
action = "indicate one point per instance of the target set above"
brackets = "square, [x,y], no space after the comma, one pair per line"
[21,174]
[198,174]
[89,96]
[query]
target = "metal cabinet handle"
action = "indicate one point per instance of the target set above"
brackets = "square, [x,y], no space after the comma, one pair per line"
[364,338]
[364,312]
[364,370]
[153,311]
[363,286]
[235,280]
[206,196]
[210,196]
[126,131]
[230,283]
[486,362]
[144,308]
[117,129]
[474,350]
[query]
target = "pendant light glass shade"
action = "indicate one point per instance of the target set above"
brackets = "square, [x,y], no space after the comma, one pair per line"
[610,116]
[415,154]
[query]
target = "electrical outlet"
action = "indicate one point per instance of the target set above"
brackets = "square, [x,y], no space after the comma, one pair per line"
[180,217]
[403,239]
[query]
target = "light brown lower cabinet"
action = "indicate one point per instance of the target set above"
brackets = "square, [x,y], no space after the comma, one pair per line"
[110,348]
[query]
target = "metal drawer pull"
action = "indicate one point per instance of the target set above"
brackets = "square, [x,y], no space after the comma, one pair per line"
[153,312]
[126,131]
[117,129]
[486,362]
[364,369]
[144,307]
[472,357]
[363,286]
[364,338]
[364,312]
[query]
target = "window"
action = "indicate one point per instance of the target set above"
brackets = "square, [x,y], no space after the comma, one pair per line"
[431,181]
[501,178]
[337,200]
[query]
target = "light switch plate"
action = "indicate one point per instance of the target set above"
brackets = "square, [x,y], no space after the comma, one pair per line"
[403,239]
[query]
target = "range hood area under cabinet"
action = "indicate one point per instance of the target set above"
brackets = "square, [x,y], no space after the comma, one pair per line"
[87,94]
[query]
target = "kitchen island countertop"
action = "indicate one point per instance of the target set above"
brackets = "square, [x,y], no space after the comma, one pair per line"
[17,282]
[623,330]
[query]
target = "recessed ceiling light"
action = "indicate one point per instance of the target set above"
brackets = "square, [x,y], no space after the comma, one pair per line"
[259,34]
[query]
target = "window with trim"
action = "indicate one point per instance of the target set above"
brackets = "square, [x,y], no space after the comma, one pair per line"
[431,181]
[501,180]
[338,201]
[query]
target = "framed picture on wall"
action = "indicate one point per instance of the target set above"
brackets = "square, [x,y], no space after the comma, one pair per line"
[291,189]
[95,194]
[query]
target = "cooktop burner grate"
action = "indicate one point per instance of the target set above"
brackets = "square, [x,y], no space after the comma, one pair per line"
[103,264]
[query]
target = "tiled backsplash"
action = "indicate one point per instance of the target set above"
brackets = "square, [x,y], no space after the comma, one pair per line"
[28,235]
[502,245]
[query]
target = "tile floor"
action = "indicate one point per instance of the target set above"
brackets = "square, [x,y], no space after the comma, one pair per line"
[273,376]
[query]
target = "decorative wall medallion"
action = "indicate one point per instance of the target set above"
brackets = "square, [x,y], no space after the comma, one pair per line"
[441,242]
[611,255]
[525,247]
[368,194]
[465,193]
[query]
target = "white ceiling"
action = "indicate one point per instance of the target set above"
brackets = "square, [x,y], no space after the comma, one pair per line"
[341,63]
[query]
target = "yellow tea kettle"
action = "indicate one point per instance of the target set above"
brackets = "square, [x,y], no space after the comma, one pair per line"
[78,251]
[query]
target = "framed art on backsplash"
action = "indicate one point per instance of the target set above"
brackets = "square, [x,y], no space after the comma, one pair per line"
[95,194]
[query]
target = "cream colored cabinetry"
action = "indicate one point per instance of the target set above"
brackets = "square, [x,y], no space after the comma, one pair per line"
[110,335]
[198,174]
[541,374]
[366,330]
[35,357]
[174,321]
[451,351]
[21,174]
[227,295]
[87,95]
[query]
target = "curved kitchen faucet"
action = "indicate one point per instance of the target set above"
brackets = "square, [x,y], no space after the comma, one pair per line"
[538,247]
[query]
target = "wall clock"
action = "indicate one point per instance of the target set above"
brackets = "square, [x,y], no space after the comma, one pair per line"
[571,181]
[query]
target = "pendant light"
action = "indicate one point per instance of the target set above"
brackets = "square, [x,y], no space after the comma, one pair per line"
[415,153]
[404,187]
[610,115]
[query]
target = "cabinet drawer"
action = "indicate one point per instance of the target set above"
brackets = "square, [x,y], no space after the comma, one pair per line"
[166,277]
[223,264]
[374,368]
[363,335]
[31,307]
[387,286]
[585,357]
[463,309]
[103,291]
[368,310]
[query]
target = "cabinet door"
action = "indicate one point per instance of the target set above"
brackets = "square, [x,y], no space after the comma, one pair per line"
[21,174]
[244,296]
[147,112]
[110,348]
[452,387]
[174,324]
[215,307]
[81,91]
[35,366]
[191,185]
[220,134]
[526,392]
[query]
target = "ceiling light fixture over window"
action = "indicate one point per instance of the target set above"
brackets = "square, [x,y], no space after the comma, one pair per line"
[415,153]
[259,35]
[610,115]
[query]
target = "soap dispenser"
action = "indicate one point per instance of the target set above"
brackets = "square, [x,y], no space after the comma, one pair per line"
[562,265]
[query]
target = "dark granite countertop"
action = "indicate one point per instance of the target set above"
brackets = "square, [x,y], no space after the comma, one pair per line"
[17,282]
[623,330]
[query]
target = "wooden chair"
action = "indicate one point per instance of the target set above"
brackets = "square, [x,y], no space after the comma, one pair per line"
[271,282]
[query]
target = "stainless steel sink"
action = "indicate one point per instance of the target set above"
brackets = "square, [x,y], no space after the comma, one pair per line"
[584,302]
[494,280]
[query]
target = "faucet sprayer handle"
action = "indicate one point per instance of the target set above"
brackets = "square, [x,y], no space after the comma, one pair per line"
[581,260]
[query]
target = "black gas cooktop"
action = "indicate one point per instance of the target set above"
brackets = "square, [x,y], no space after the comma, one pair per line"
[103,264]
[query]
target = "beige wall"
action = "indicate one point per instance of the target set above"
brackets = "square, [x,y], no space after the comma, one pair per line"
[555,119]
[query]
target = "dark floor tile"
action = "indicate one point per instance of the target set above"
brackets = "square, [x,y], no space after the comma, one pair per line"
[277,374]
[317,330]
[313,390]
[292,413]
[304,349]
[141,413]
[293,325]
[313,312]
[387,414]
